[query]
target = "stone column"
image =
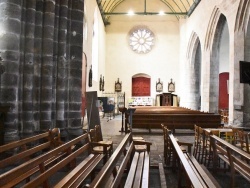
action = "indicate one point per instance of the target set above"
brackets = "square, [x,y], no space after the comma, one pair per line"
[27,68]
[47,66]
[63,56]
[10,14]
[37,63]
[75,68]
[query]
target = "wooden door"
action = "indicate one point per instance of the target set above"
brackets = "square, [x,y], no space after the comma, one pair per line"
[140,86]
[223,90]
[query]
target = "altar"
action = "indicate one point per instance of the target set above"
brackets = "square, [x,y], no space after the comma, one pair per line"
[166,99]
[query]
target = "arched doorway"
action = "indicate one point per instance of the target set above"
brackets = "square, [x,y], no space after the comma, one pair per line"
[219,62]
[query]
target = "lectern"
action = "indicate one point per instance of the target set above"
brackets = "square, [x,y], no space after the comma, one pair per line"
[3,115]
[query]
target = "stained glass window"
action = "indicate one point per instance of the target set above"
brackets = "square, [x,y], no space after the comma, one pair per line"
[141,40]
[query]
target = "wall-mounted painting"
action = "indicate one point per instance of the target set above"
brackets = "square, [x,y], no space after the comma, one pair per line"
[118,86]
[171,86]
[159,86]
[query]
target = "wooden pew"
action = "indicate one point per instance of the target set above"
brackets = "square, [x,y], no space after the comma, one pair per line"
[45,169]
[175,121]
[135,163]
[17,152]
[166,110]
[196,174]
[173,117]
[237,159]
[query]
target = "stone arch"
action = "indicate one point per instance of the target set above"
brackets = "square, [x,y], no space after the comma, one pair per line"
[194,62]
[242,18]
[211,28]
[214,65]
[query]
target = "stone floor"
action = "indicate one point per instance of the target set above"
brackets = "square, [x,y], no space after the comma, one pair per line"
[111,131]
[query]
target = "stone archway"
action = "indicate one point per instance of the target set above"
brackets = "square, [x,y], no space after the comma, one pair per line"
[194,57]
[215,65]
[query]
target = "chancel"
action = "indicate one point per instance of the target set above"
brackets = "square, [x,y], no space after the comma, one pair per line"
[175,101]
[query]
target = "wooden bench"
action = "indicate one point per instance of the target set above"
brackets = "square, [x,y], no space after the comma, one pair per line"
[196,174]
[237,159]
[175,121]
[17,152]
[49,163]
[135,163]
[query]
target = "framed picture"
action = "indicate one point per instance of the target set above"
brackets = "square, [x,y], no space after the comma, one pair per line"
[171,86]
[118,86]
[159,86]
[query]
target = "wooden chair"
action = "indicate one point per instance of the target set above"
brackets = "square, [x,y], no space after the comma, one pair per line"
[243,139]
[99,138]
[56,137]
[100,147]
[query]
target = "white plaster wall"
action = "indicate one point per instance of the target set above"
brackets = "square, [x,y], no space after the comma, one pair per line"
[90,7]
[162,62]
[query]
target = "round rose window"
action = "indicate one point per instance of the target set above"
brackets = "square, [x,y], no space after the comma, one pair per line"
[141,40]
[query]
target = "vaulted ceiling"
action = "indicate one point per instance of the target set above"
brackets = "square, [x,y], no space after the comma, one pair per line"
[178,8]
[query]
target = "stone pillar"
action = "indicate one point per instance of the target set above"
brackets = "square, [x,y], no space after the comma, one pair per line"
[41,48]
[10,14]
[37,63]
[75,68]
[27,68]
[47,66]
[61,86]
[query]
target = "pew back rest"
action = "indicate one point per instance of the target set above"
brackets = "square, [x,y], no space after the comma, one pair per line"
[41,161]
[139,170]
[232,155]
[197,176]
[103,176]
[192,176]
[25,149]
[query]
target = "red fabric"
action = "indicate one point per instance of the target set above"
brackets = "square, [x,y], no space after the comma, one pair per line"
[140,86]
[223,90]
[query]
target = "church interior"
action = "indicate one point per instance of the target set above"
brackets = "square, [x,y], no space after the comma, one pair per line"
[108,93]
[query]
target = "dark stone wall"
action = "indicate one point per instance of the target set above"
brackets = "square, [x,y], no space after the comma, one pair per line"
[41,48]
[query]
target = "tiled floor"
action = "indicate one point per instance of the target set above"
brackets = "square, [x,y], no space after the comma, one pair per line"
[111,130]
